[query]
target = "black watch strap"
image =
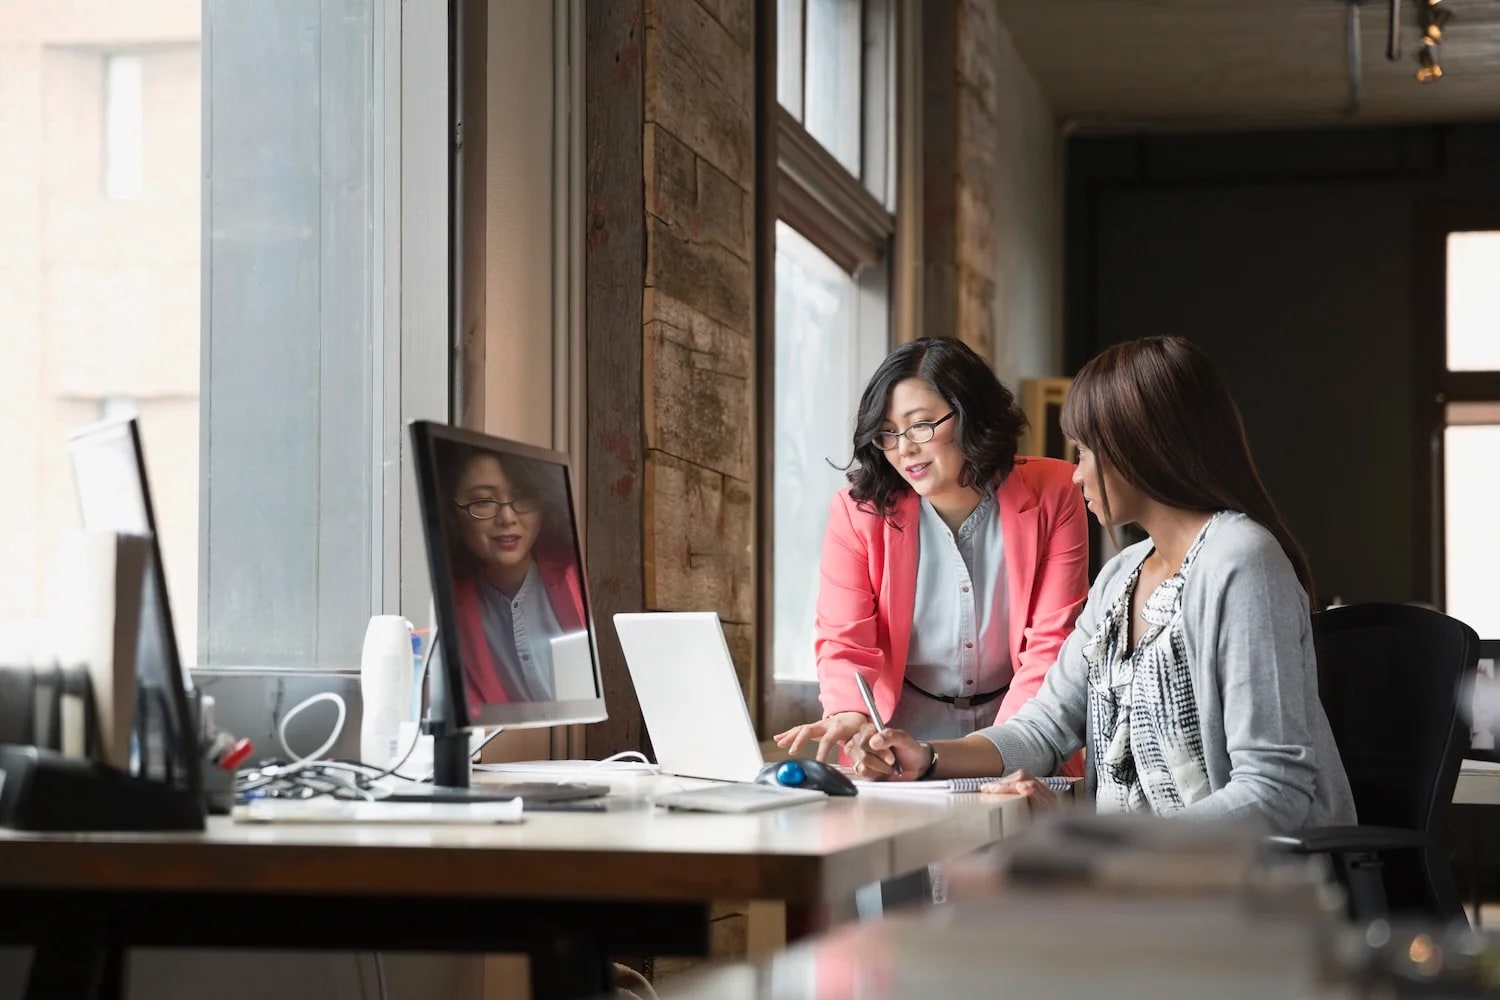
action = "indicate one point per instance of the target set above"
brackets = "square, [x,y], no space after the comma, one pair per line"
[931,762]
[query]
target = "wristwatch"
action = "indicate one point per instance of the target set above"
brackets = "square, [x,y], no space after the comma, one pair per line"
[932,760]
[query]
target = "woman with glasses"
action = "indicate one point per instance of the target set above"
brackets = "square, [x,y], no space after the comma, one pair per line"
[1191,677]
[952,570]
[515,581]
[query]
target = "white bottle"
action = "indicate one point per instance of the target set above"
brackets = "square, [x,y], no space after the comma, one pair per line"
[385,682]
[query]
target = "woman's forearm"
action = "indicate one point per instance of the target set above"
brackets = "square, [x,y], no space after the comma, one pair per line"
[970,757]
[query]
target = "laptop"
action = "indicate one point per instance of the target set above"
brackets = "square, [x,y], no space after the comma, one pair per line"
[690,695]
[696,714]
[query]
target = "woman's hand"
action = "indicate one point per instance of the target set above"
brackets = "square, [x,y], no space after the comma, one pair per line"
[1024,783]
[831,733]
[891,755]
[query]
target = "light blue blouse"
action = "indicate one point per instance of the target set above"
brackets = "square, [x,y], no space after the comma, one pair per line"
[960,636]
[519,631]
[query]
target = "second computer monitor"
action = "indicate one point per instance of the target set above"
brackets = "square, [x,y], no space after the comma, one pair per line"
[109,469]
[515,636]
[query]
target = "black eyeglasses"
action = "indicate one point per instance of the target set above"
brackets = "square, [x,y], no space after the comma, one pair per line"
[918,433]
[486,510]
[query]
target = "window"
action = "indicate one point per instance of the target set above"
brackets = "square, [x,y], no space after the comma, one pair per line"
[202,229]
[831,332]
[835,242]
[1470,445]
[831,102]
[1473,336]
[1471,493]
[122,126]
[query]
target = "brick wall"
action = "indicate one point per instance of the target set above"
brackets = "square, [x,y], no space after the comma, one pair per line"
[698,159]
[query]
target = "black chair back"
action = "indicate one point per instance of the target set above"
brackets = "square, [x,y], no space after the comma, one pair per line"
[1390,677]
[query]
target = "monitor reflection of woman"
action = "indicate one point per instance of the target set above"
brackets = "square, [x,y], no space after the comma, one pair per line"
[515,579]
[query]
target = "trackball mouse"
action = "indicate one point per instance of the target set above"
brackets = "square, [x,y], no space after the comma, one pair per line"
[798,773]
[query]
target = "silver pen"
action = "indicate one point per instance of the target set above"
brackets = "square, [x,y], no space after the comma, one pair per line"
[869,697]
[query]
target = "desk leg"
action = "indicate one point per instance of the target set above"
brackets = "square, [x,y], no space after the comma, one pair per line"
[571,965]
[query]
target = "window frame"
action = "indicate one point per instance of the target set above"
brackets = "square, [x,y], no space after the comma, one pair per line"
[1438,388]
[417,382]
[806,186]
[123,181]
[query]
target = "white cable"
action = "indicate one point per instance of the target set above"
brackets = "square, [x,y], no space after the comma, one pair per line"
[628,756]
[297,763]
[380,974]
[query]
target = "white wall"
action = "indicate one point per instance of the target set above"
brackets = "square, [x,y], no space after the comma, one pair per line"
[519,191]
[1026,195]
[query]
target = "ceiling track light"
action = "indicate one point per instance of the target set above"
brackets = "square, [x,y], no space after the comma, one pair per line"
[1355,60]
[1433,16]
[1428,71]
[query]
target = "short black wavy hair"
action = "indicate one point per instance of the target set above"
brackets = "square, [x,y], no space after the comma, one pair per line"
[987,423]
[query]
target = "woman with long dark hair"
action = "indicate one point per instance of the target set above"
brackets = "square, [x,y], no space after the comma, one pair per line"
[1191,676]
[952,570]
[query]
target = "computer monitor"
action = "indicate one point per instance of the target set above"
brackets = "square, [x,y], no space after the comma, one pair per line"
[515,641]
[109,470]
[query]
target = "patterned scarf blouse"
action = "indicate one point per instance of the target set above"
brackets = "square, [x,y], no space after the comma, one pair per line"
[1143,719]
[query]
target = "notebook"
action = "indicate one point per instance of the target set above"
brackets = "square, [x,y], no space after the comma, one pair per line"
[947,785]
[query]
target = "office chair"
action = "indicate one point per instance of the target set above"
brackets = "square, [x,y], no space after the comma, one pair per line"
[1390,678]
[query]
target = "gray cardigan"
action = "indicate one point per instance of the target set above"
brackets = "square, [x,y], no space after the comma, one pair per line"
[1270,755]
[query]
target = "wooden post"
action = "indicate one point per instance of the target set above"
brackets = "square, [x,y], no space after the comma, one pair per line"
[614,269]
[473,25]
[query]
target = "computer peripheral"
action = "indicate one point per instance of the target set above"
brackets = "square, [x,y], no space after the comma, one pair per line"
[690,694]
[514,645]
[326,810]
[737,797]
[154,778]
[806,774]
[114,495]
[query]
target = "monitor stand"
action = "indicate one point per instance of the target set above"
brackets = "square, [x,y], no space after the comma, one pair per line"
[450,782]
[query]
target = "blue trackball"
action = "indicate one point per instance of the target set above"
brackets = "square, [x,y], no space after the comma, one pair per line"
[790,773]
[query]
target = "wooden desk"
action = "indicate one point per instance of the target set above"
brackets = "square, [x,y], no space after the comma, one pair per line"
[568,889]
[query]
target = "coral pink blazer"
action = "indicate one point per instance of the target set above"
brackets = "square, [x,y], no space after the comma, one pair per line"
[869,587]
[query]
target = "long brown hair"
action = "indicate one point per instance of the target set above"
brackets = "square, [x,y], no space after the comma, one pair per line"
[1157,413]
